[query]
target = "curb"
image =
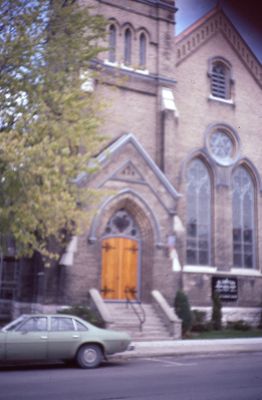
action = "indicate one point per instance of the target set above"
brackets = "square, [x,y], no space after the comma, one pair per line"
[192,347]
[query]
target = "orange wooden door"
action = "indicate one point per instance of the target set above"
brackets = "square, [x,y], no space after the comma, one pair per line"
[119,267]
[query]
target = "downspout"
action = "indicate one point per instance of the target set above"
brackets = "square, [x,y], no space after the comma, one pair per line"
[162,140]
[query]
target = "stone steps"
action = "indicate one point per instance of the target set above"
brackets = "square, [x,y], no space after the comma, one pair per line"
[126,320]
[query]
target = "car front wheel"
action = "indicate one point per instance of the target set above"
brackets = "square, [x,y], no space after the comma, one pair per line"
[89,356]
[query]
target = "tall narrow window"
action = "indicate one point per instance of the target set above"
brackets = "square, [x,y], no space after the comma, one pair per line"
[198,196]
[112,43]
[142,50]
[220,80]
[243,219]
[127,47]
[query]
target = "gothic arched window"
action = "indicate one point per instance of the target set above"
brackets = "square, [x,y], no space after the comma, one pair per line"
[112,44]
[142,50]
[198,224]
[243,209]
[127,46]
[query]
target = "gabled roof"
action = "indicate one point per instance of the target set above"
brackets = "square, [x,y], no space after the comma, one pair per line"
[205,28]
[119,145]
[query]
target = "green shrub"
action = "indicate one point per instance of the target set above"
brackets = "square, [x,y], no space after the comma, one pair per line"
[260,321]
[85,313]
[199,322]
[239,325]
[183,311]
[216,312]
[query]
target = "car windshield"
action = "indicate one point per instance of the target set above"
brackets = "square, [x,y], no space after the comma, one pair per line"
[14,324]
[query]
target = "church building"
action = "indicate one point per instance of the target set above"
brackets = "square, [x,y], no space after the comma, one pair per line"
[180,172]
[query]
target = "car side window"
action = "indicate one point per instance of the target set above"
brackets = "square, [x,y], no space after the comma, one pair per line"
[59,324]
[34,324]
[80,327]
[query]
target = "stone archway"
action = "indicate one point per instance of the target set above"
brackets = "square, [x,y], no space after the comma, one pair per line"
[137,253]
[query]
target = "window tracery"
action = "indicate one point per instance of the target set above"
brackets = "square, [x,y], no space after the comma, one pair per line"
[122,223]
[223,144]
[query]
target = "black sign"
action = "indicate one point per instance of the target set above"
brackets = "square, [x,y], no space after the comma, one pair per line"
[227,288]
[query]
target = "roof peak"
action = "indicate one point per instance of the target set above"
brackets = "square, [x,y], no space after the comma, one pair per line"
[214,21]
[218,5]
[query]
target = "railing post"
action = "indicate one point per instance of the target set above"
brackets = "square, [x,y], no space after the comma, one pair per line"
[142,318]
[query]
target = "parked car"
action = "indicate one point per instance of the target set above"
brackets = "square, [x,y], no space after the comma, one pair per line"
[59,337]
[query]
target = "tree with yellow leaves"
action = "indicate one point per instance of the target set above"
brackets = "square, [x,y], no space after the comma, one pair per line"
[48,118]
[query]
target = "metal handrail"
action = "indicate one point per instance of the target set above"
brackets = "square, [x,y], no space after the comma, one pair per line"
[141,316]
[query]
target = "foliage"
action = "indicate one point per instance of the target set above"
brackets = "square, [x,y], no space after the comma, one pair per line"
[182,308]
[48,124]
[226,334]
[260,320]
[216,312]
[199,322]
[239,325]
[85,313]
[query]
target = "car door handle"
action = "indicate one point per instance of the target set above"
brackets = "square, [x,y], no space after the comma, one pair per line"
[44,337]
[76,336]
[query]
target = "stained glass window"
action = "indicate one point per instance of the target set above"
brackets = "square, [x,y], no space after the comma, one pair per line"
[243,219]
[198,196]
[221,147]
[122,223]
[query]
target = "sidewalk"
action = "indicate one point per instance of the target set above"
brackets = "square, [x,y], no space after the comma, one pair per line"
[173,347]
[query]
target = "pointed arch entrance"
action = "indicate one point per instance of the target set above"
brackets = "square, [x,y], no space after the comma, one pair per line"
[120,257]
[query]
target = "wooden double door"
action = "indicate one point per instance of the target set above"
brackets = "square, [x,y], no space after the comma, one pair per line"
[120,262]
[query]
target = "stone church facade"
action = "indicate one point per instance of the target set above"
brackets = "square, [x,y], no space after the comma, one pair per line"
[181,171]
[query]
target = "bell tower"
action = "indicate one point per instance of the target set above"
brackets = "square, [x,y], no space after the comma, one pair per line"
[140,64]
[137,27]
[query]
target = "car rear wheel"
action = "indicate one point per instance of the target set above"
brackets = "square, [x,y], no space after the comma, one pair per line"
[89,356]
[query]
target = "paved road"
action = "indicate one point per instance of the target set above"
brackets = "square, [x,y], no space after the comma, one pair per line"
[216,377]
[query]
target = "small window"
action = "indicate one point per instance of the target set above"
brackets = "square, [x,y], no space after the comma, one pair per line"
[80,327]
[59,324]
[127,47]
[112,44]
[220,80]
[142,50]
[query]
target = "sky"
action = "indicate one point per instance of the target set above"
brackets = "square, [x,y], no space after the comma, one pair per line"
[246,15]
